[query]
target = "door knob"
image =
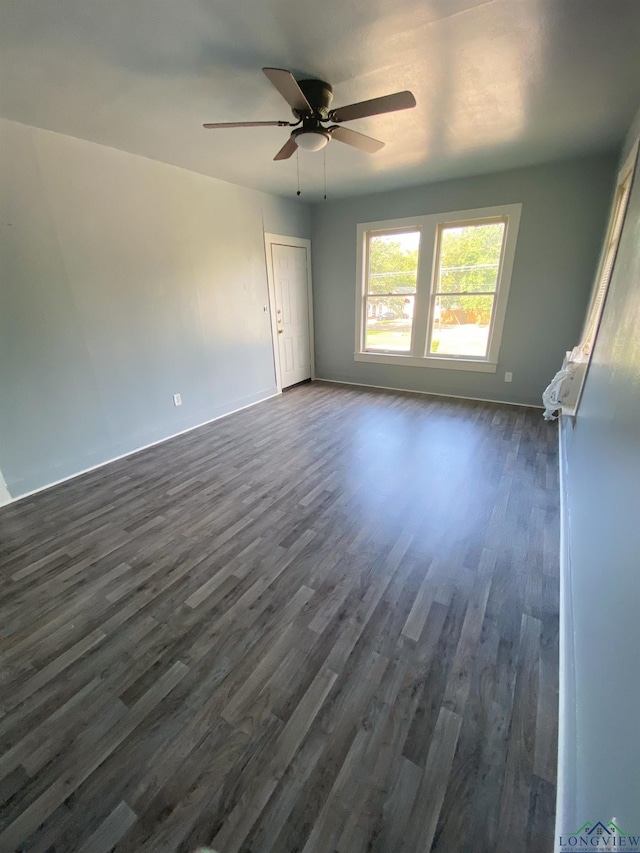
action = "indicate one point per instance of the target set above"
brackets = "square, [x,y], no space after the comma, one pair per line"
[280,331]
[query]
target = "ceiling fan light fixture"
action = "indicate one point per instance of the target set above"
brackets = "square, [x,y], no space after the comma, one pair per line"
[311,140]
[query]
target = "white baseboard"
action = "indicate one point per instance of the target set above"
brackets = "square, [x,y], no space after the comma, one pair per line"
[567,722]
[428,393]
[12,500]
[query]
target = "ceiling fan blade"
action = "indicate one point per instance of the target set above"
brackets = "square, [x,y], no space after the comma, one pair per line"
[248,124]
[287,150]
[286,84]
[374,107]
[358,140]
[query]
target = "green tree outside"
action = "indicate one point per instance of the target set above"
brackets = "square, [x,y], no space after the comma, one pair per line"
[392,269]
[469,261]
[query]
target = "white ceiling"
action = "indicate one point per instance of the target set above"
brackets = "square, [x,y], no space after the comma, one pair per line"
[499,83]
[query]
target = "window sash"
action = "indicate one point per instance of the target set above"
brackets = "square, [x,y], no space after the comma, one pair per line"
[389,233]
[380,349]
[432,328]
[437,275]
[367,294]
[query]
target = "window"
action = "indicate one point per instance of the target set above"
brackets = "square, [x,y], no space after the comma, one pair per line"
[391,290]
[609,252]
[468,263]
[580,356]
[432,290]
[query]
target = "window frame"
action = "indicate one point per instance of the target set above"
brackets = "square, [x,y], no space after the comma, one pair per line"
[580,357]
[430,226]
[367,295]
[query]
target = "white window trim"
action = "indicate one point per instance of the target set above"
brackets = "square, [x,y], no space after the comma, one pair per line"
[576,362]
[428,226]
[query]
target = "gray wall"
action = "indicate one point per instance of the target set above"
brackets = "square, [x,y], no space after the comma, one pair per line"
[122,282]
[563,217]
[599,758]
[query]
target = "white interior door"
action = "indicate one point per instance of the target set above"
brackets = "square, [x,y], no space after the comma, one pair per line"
[291,291]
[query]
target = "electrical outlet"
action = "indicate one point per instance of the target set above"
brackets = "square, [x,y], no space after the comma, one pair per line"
[508,377]
[177,400]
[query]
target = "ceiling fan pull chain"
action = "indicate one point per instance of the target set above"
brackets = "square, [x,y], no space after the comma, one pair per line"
[325,173]
[298,170]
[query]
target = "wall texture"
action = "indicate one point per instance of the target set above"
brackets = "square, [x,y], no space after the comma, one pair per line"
[122,282]
[599,767]
[563,217]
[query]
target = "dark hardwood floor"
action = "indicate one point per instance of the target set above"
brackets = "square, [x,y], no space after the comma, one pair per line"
[325,623]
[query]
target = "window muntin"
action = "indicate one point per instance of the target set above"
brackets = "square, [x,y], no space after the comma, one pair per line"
[469,257]
[390,291]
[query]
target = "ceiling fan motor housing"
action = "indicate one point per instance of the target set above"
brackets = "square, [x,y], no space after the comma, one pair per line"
[319,94]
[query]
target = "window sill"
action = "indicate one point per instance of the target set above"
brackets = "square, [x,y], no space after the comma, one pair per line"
[573,384]
[427,361]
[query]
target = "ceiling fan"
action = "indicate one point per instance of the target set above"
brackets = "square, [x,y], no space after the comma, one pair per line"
[310,102]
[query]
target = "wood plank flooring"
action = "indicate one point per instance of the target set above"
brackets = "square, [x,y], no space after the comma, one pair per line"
[325,623]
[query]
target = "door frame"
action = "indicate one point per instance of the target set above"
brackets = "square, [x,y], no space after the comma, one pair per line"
[5,496]
[302,243]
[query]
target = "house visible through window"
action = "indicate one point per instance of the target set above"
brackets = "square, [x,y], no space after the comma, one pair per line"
[433,290]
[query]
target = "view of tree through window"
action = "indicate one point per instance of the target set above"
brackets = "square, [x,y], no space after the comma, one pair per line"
[391,290]
[468,268]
